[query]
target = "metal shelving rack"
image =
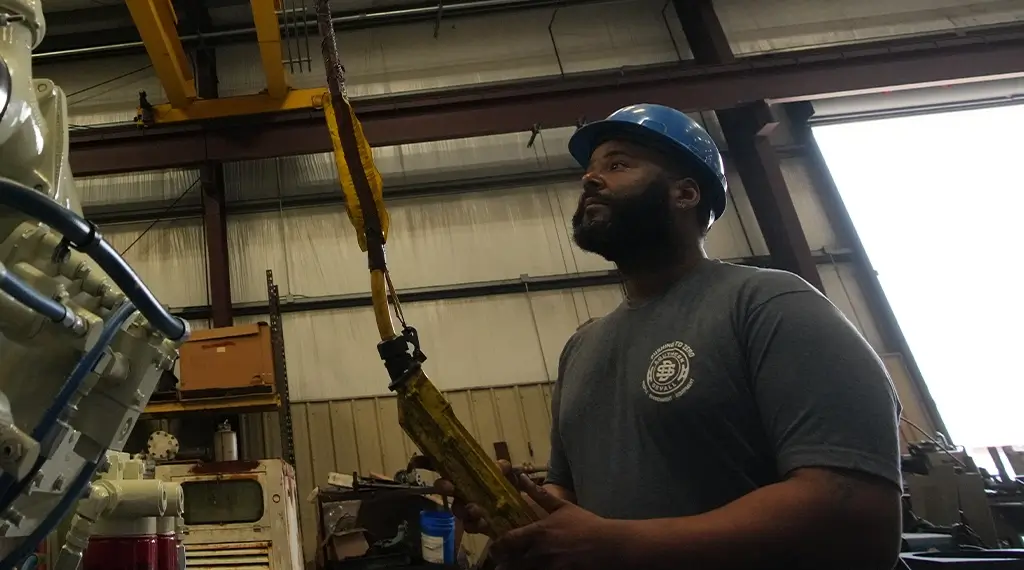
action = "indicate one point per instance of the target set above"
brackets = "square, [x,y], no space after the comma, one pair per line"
[280,370]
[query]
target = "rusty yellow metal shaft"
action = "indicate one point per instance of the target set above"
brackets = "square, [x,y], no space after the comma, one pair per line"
[268,34]
[157,25]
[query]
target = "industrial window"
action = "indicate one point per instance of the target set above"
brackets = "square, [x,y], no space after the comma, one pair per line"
[234,501]
[936,200]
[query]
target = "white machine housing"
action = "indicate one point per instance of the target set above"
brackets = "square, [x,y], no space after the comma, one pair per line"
[37,354]
[239,514]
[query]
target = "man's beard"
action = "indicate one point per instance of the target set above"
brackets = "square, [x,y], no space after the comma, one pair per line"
[637,231]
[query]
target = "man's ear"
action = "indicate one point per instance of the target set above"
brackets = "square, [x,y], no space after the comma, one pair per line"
[685,193]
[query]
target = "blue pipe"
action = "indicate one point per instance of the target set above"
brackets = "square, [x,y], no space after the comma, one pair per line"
[87,239]
[28,296]
[82,369]
[53,518]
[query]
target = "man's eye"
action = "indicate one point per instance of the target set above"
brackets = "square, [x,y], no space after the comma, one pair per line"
[617,166]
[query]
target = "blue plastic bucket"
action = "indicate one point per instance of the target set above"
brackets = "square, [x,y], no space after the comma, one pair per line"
[437,537]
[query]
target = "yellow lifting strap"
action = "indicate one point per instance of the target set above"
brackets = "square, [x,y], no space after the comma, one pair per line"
[423,412]
[355,169]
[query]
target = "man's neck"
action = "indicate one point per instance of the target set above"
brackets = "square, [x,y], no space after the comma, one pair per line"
[653,278]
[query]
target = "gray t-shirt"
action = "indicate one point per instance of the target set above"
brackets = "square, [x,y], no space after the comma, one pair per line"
[733,378]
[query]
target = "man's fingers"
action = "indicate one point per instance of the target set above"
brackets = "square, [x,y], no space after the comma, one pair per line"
[444,487]
[515,542]
[508,471]
[547,501]
[473,518]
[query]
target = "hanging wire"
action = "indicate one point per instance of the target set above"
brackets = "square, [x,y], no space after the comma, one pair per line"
[393,293]
[162,214]
[305,36]
[286,14]
[106,82]
[668,28]
[554,43]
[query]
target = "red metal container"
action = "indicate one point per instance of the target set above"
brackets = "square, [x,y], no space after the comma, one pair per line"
[122,553]
[167,544]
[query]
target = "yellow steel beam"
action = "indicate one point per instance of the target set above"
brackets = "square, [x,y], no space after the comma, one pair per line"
[268,34]
[200,109]
[157,24]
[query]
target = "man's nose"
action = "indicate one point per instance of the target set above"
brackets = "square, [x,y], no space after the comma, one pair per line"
[592,183]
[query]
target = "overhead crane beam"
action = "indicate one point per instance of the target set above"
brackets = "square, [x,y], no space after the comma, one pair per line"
[268,34]
[157,25]
[557,102]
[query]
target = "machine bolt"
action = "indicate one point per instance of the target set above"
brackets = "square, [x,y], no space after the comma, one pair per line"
[126,428]
[13,516]
[58,483]
[10,451]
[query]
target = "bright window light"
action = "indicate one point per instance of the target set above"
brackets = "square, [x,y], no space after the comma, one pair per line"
[938,201]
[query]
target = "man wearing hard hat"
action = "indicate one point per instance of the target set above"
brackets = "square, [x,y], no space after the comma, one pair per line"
[723,416]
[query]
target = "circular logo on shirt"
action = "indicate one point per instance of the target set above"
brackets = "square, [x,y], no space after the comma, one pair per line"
[668,375]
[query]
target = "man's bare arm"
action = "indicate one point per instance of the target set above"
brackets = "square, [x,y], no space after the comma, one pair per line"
[560,492]
[815,518]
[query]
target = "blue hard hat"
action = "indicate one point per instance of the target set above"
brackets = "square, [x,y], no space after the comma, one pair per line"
[666,129]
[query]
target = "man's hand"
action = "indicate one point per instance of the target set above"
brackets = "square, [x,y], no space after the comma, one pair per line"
[474,519]
[568,537]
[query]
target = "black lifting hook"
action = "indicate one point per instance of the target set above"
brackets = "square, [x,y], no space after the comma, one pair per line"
[413,339]
[399,360]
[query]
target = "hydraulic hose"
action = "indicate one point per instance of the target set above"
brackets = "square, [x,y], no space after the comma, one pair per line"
[82,369]
[28,296]
[53,518]
[86,238]
[10,489]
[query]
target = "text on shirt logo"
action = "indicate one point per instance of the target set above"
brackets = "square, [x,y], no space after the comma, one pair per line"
[668,375]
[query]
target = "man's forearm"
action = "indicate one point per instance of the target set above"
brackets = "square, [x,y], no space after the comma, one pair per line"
[787,525]
[560,492]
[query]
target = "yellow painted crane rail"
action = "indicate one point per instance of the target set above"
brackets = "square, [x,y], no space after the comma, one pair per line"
[268,34]
[157,25]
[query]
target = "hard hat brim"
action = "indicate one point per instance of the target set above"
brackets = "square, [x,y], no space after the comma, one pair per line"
[587,138]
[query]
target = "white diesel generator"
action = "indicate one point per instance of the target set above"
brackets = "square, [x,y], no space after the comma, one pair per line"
[238,514]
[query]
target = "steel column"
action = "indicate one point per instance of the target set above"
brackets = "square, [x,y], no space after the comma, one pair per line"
[840,220]
[707,40]
[215,226]
[747,129]
[214,203]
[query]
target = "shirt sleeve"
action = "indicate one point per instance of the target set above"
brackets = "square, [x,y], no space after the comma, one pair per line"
[558,464]
[825,398]
[559,472]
